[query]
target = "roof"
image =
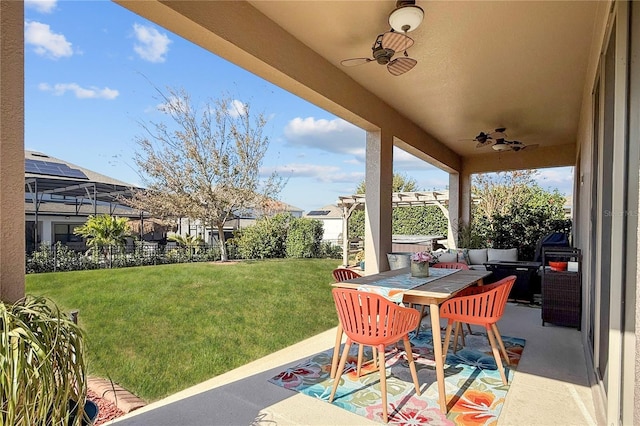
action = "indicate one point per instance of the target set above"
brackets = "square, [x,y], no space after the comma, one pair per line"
[52,176]
[327,212]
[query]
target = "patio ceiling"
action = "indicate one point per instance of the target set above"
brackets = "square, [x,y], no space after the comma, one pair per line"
[481,65]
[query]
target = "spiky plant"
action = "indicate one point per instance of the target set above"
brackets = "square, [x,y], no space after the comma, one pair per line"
[43,370]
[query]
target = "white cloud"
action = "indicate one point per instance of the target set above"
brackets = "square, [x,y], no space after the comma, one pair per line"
[560,178]
[335,136]
[92,92]
[558,175]
[42,6]
[320,173]
[46,42]
[152,46]
[237,108]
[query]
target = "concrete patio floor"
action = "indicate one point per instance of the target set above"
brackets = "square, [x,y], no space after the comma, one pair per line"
[551,386]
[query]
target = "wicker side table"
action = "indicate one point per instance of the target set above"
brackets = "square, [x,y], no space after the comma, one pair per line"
[562,291]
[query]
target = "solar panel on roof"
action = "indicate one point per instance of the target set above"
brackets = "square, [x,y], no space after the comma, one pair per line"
[52,169]
[318,213]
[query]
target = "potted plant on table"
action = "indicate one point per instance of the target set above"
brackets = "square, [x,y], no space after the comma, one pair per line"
[43,378]
[420,262]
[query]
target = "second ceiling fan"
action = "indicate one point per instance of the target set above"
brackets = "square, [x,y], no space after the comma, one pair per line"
[497,140]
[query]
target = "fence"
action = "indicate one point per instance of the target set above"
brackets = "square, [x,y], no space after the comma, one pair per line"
[59,257]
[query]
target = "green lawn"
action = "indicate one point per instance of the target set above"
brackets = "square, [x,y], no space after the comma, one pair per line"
[156,330]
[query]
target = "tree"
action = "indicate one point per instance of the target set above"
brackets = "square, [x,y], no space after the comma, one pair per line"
[206,167]
[400,183]
[512,210]
[104,232]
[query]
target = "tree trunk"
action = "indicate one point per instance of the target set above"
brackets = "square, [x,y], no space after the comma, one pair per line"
[221,242]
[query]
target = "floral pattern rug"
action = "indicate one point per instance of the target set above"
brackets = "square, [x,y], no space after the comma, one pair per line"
[475,393]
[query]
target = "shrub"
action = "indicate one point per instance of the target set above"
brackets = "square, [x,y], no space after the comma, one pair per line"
[330,250]
[266,239]
[58,258]
[418,220]
[304,238]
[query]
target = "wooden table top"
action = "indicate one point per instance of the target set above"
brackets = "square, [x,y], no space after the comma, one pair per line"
[439,290]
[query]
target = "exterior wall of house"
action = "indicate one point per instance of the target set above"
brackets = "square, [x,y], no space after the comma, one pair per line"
[607,232]
[12,258]
[332,229]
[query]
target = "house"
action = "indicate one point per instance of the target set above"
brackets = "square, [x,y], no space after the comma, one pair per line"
[562,78]
[186,226]
[60,196]
[331,218]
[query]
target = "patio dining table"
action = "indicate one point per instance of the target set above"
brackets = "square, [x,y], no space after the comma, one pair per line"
[423,291]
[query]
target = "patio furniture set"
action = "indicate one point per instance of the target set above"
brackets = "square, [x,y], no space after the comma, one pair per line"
[368,318]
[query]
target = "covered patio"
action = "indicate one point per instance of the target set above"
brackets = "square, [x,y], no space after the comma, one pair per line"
[551,386]
[560,75]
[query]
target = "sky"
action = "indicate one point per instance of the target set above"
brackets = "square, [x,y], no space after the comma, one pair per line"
[91,73]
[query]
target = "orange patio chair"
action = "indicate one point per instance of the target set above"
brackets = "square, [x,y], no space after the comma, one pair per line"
[451,265]
[339,275]
[372,320]
[483,308]
[344,274]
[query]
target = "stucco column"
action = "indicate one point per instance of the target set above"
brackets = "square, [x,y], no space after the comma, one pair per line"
[455,197]
[464,215]
[378,207]
[12,233]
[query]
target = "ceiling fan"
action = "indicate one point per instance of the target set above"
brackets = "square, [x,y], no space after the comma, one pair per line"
[383,50]
[497,140]
[404,18]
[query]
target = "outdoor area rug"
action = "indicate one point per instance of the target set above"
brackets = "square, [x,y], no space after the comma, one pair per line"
[475,393]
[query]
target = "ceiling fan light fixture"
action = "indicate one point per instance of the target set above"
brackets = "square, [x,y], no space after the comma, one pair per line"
[406,17]
[501,146]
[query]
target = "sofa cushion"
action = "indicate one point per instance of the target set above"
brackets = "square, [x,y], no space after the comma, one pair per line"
[502,254]
[477,256]
[447,256]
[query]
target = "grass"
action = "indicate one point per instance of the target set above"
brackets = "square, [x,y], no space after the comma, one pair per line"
[156,330]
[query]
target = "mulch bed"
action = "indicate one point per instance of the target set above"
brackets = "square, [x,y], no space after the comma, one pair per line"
[106,409]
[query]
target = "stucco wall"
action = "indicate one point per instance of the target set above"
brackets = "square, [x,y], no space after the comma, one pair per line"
[11,150]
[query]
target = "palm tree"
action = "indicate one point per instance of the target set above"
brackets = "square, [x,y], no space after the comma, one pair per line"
[190,242]
[103,232]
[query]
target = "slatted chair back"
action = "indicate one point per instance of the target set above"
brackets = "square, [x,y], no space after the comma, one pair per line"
[451,265]
[344,274]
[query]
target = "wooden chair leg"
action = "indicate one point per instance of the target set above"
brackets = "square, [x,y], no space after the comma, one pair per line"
[383,384]
[455,337]
[336,351]
[412,364]
[496,355]
[360,355]
[343,361]
[374,356]
[447,338]
[461,333]
[494,327]
[469,329]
